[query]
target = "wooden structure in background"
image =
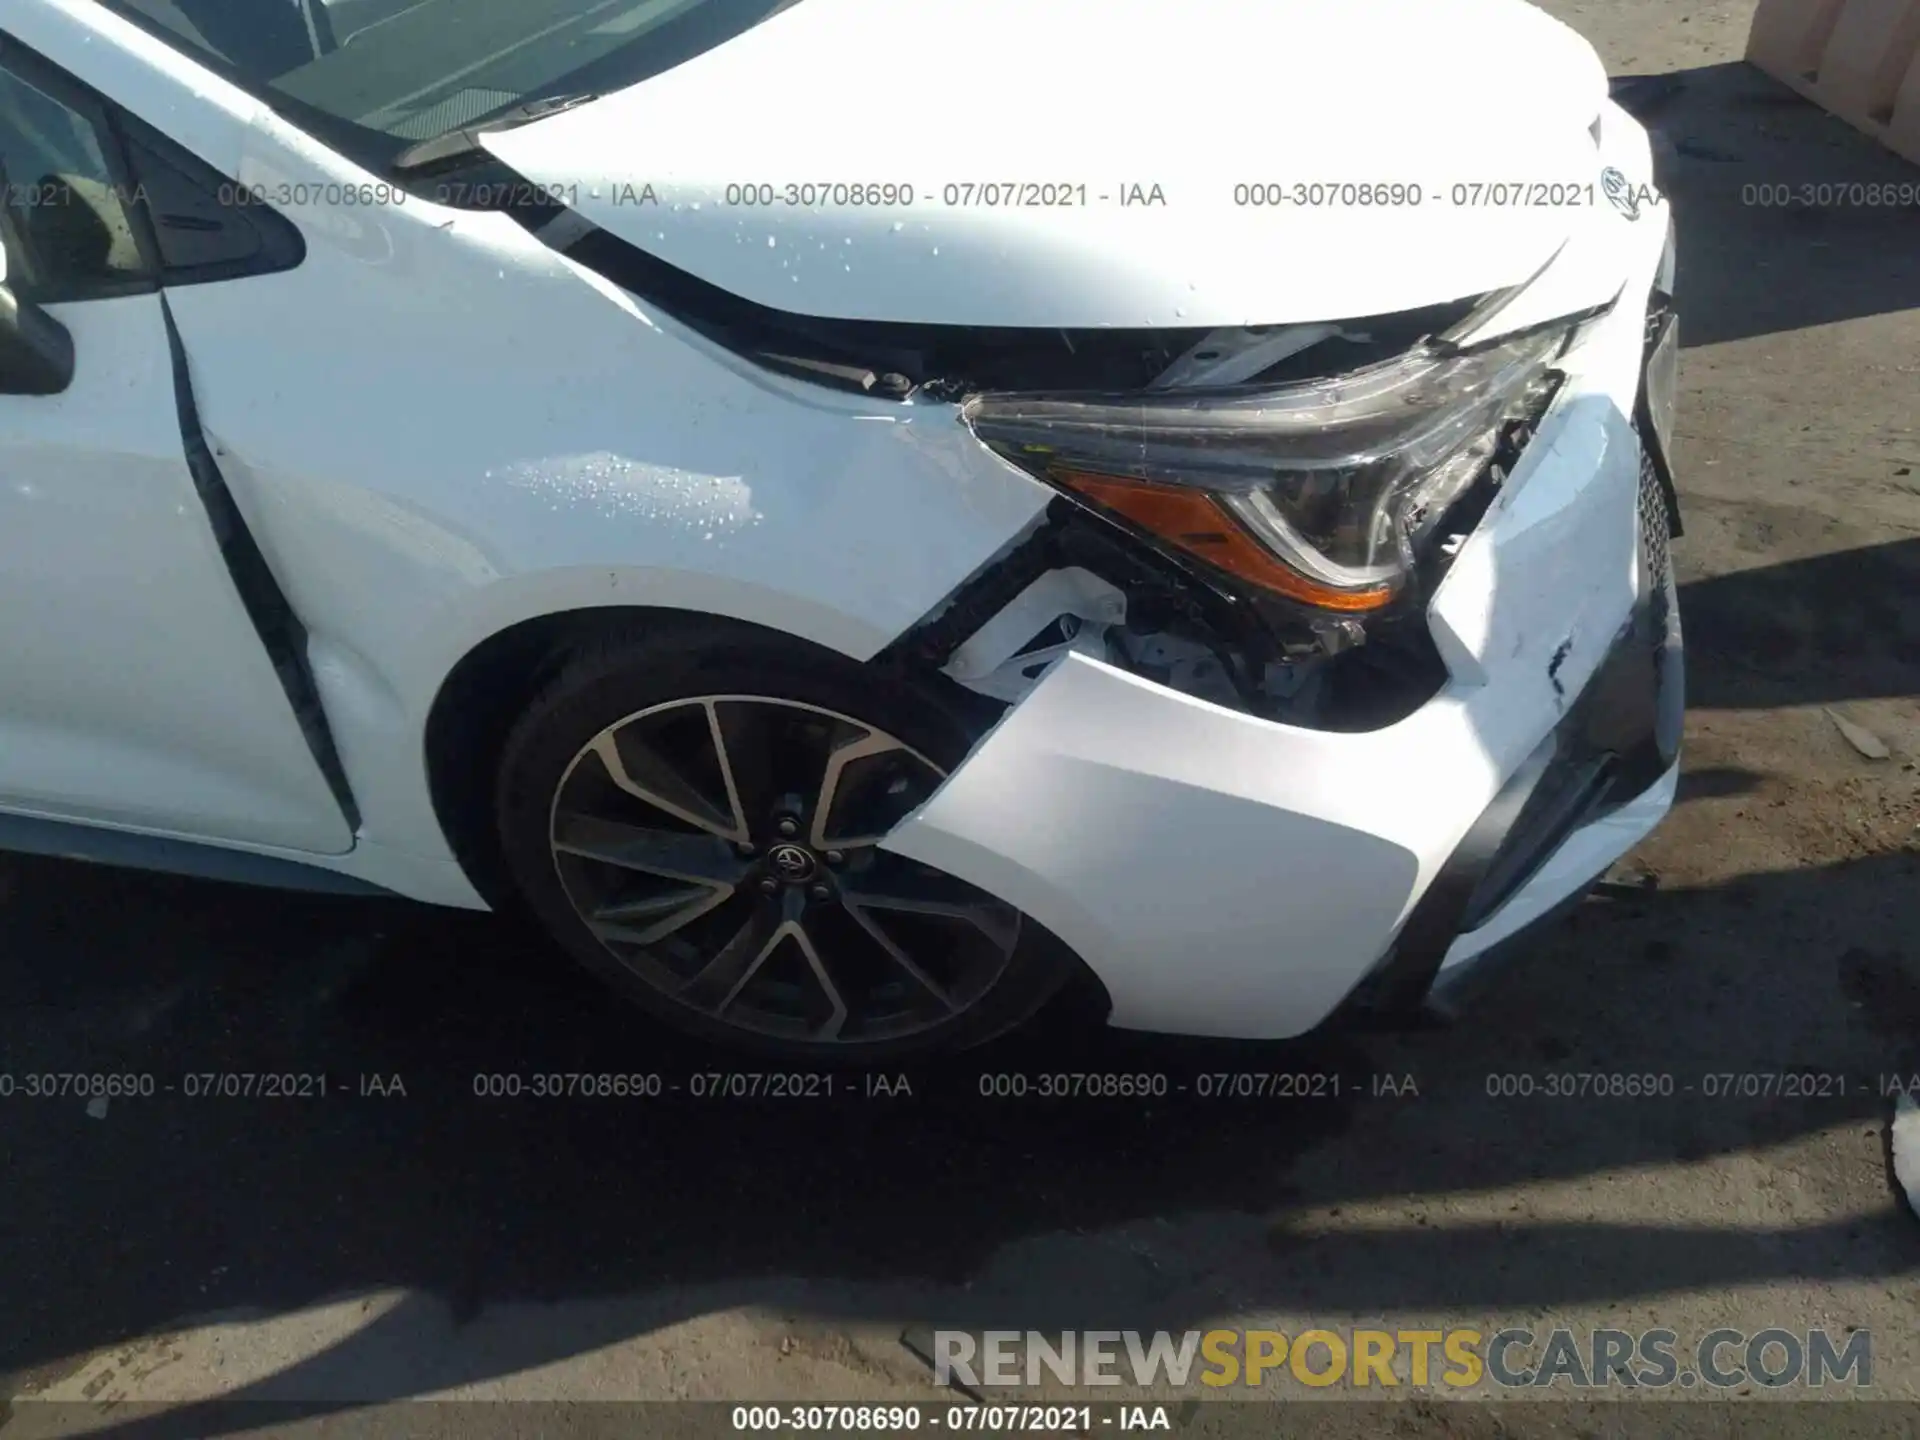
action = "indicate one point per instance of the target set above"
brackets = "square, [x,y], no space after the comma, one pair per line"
[1859,59]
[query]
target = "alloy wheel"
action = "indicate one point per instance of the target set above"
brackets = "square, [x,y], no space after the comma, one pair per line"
[724,849]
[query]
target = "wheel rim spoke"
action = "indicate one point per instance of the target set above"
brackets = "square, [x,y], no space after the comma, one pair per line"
[900,957]
[719,982]
[737,815]
[706,903]
[828,1029]
[644,773]
[895,886]
[672,854]
[668,911]
[863,746]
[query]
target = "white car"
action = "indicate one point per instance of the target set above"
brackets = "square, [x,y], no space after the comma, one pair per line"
[848,513]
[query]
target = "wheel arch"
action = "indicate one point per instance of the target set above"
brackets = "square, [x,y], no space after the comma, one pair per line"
[482,697]
[483,694]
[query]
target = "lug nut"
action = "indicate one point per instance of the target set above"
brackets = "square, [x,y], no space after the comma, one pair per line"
[836,857]
[820,892]
[769,885]
[743,849]
[788,827]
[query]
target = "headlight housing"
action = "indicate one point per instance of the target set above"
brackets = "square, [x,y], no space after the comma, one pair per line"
[1317,490]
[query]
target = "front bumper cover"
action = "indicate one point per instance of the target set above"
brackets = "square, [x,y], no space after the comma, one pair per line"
[1592,789]
[1227,875]
[1222,874]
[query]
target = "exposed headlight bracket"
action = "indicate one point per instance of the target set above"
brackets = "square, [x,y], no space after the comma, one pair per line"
[1086,603]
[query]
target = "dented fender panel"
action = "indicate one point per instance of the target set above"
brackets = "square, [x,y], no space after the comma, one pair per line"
[474,431]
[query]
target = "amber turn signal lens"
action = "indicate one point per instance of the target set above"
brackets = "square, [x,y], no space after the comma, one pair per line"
[1191,520]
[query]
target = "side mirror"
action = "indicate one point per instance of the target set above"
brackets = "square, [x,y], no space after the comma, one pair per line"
[36,352]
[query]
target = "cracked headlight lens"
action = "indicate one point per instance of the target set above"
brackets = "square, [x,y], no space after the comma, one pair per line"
[1316,490]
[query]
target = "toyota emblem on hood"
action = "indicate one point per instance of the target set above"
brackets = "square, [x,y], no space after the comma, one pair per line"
[1620,191]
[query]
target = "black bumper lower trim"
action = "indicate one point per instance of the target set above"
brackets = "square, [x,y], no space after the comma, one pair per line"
[1617,740]
[1455,991]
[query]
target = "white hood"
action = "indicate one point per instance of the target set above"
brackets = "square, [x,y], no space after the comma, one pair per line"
[1194,97]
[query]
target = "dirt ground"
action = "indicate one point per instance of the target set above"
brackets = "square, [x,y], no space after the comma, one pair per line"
[376,1246]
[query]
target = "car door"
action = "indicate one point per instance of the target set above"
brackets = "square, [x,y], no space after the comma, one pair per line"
[148,679]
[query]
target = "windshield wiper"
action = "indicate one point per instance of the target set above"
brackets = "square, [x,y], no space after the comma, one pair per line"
[458,145]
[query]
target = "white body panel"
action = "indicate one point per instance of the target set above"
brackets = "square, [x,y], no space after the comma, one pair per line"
[1226,875]
[1586,272]
[970,92]
[437,428]
[137,690]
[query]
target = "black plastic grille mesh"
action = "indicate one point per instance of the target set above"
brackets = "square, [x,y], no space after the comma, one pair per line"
[1653,526]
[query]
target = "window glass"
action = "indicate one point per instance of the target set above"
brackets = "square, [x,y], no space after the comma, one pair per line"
[67,232]
[375,77]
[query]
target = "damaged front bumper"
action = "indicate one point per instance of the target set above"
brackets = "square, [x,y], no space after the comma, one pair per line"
[1226,874]
[1599,782]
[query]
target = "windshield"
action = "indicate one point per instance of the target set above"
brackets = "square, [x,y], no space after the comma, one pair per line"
[376,77]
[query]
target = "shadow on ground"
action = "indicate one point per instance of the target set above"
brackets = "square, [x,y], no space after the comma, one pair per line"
[172,1206]
[1788,218]
[1842,626]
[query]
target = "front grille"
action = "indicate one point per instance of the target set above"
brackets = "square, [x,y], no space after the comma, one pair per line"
[1652,508]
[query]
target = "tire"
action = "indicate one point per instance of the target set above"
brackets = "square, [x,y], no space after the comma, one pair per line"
[639,806]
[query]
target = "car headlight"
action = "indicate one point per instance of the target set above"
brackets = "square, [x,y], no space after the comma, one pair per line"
[1316,490]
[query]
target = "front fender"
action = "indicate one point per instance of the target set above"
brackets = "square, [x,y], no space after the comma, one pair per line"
[436,427]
